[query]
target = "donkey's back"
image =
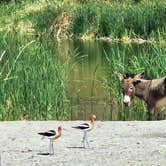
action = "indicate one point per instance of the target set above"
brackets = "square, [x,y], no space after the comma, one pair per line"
[158,92]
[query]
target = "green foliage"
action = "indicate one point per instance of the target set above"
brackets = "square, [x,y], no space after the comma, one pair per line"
[85,19]
[43,19]
[6,1]
[118,20]
[145,19]
[111,21]
[26,94]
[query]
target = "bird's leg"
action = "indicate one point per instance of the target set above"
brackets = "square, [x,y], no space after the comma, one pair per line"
[52,148]
[84,137]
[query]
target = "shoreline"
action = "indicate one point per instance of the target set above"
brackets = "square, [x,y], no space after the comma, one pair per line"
[125,39]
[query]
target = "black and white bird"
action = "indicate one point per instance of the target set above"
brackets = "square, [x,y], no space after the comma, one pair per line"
[86,127]
[52,135]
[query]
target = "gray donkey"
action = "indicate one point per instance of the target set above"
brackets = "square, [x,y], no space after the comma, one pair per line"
[152,91]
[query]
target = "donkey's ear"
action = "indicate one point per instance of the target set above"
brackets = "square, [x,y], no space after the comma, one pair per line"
[120,76]
[136,82]
[138,76]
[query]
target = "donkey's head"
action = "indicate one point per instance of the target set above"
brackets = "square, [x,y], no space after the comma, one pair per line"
[129,81]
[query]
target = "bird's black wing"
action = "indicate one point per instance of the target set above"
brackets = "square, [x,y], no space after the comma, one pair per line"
[82,126]
[53,131]
[48,133]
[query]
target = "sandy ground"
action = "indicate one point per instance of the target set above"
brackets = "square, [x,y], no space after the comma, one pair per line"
[111,144]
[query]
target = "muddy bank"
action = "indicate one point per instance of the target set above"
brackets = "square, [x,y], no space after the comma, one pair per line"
[111,143]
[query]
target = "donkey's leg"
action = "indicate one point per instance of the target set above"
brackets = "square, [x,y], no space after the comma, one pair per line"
[159,114]
[150,116]
[150,113]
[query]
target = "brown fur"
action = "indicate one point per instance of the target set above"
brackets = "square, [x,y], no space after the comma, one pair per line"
[153,92]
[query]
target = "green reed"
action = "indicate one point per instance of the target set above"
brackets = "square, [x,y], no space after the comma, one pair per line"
[118,20]
[25,93]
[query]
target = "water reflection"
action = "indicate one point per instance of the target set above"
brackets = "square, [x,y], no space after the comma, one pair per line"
[86,90]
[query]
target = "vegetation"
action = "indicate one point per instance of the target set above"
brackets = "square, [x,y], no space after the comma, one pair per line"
[114,19]
[118,20]
[37,86]
[33,73]
[24,69]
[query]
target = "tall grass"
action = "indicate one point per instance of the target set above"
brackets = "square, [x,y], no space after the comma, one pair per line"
[27,94]
[118,20]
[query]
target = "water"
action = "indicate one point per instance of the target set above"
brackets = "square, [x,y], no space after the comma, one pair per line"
[86,91]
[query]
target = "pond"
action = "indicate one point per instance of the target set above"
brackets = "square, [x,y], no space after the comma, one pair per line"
[70,79]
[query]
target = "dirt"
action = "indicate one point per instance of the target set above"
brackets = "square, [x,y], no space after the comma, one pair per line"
[61,24]
[112,143]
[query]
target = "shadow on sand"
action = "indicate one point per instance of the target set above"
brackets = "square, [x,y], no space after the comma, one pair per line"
[44,154]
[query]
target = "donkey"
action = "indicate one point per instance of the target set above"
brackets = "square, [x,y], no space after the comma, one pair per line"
[152,91]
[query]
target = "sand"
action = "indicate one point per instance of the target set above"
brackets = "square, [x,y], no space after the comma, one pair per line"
[112,143]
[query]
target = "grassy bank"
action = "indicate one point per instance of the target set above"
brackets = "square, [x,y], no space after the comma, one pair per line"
[145,19]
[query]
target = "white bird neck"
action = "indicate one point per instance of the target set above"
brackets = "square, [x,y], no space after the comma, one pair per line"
[92,122]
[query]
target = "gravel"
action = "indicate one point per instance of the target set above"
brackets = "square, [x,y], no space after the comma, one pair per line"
[112,143]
